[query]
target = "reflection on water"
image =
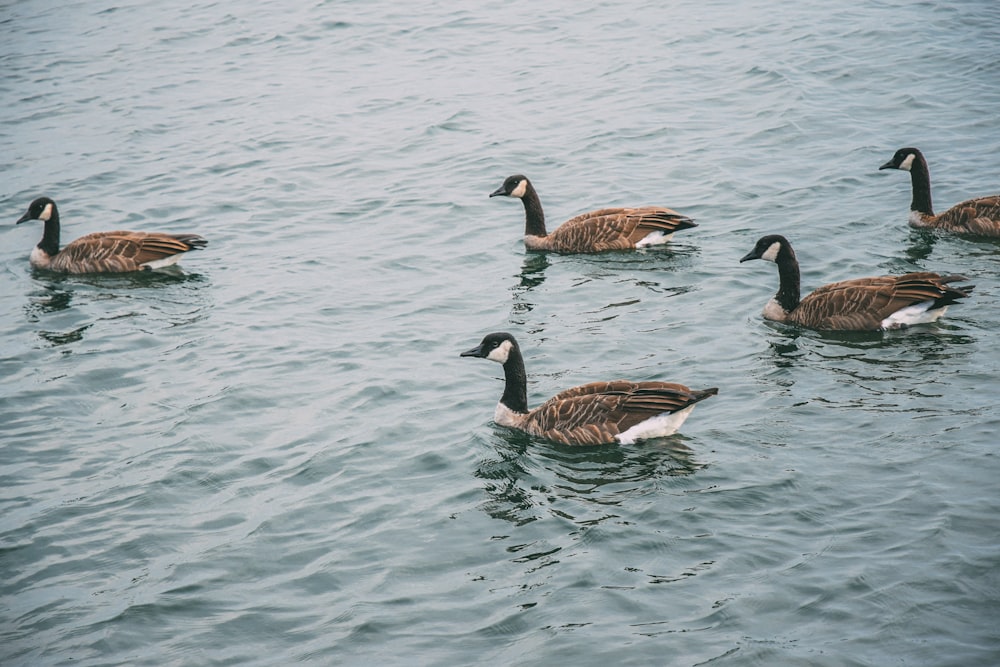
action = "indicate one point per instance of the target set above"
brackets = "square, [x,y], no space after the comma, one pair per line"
[921,244]
[888,371]
[62,338]
[532,275]
[62,299]
[532,271]
[528,480]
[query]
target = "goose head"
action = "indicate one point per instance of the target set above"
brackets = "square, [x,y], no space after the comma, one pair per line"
[771,248]
[903,159]
[513,186]
[40,209]
[495,347]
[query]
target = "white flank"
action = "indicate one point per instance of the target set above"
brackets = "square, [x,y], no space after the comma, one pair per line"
[773,311]
[653,238]
[505,416]
[166,261]
[917,219]
[39,258]
[519,191]
[659,426]
[918,313]
[908,162]
[771,254]
[501,353]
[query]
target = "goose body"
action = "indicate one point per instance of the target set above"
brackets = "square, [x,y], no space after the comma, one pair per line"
[104,252]
[862,304]
[980,216]
[591,414]
[596,231]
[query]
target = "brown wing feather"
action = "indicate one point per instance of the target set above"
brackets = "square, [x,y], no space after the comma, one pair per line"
[614,228]
[595,413]
[863,303]
[121,251]
[977,216]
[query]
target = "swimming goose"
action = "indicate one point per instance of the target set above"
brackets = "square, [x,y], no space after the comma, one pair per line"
[863,304]
[104,252]
[597,231]
[591,414]
[975,216]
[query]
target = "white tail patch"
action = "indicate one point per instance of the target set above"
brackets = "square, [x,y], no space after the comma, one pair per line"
[659,426]
[166,261]
[653,238]
[918,313]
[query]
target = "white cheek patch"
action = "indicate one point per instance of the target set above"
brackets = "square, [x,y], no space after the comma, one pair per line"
[771,254]
[908,162]
[501,353]
[46,213]
[519,191]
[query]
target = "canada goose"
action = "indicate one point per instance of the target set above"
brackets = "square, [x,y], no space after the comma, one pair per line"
[863,304]
[591,414]
[597,231]
[976,216]
[104,252]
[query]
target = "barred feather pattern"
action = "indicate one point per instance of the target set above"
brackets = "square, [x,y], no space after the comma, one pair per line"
[978,217]
[121,251]
[593,414]
[862,304]
[610,229]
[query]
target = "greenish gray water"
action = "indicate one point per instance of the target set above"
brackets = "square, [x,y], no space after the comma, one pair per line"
[277,455]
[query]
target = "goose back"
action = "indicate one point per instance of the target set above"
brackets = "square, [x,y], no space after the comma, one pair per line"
[603,412]
[868,304]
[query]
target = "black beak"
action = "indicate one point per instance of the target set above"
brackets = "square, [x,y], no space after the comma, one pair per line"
[474,352]
[23,218]
[750,255]
[888,165]
[499,192]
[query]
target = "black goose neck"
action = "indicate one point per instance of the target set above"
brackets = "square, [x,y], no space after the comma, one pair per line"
[50,237]
[789,280]
[515,391]
[534,218]
[920,178]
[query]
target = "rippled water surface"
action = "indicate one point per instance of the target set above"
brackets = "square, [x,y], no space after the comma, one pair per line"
[276,455]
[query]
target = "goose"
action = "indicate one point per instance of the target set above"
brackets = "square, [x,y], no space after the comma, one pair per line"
[597,231]
[591,414]
[862,304]
[976,216]
[104,252]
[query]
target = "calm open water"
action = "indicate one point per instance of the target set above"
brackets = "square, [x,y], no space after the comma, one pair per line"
[278,457]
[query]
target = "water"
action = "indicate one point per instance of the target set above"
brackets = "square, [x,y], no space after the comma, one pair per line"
[277,455]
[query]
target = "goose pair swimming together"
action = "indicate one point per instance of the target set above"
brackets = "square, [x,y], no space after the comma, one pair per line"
[623,411]
[628,228]
[104,252]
